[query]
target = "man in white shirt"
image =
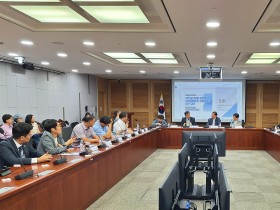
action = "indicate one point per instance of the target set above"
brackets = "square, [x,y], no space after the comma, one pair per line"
[122,124]
[235,121]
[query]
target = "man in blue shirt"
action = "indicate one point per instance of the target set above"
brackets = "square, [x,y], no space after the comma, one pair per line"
[103,127]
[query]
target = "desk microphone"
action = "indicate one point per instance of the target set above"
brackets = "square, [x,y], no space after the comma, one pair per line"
[25,174]
[102,145]
[61,160]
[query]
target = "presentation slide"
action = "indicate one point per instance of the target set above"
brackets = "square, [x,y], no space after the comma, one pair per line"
[201,98]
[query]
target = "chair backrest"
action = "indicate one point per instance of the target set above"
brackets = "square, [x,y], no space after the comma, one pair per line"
[169,189]
[183,157]
[73,124]
[66,133]
[224,189]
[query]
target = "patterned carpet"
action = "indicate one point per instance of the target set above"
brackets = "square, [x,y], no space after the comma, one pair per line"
[254,177]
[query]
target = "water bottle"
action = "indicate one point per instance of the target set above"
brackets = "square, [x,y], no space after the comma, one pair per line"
[82,146]
[137,126]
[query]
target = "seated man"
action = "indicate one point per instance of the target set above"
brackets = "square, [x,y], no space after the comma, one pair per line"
[103,127]
[7,126]
[51,141]
[121,125]
[187,121]
[235,121]
[214,120]
[84,131]
[160,121]
[18,148]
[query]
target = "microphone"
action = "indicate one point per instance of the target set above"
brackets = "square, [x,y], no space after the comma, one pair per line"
[102,145]
[25,174]
[61,160]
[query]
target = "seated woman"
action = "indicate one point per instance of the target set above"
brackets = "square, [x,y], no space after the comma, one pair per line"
[51,140]
[36,132]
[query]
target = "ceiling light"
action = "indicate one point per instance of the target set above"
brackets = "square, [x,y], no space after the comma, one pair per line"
[88,43]
[142,71]
[117,14]
[164,61]
[26,42]
[12,54]
[158,55]
[124,60]
[46,63]
[265,55]
[121,55]
[211,56]
[51,14]
[62,55]
[211,44]
[274,43]
[176,72]
[213,24]
[260,61]
[108,70]
[277,72]
[87,63]
[243,72]
[75,70]
[150,44]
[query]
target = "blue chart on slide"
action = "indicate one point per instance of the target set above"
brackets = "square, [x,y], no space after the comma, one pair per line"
[201,98]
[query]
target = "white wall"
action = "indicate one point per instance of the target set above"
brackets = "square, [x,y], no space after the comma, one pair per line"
[45,94]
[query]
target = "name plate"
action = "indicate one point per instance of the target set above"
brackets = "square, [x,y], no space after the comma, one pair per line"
[75,160]
[93,148]
[5,189]
[238,126]
[46,172]
[136,133]
[146,129]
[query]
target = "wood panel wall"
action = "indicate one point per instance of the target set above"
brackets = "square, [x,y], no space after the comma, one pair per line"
[262,103]
[142,98]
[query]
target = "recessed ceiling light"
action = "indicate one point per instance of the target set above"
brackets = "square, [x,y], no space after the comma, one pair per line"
[121,55]
[158,55]
[46,63]
[62,54]
[12,54]
[87,63]
[150,44]
[213,24]
[142,71]
[108,70]
[274,43]
[88,43]
[243,72]
[176,72]
[277,72]
[260,61]
[164,61]
[211,56]
[75,70]
[265,55]
[211,44]
[124,60]
[26,42]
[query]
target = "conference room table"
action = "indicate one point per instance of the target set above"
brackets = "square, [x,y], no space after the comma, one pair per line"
[80,181]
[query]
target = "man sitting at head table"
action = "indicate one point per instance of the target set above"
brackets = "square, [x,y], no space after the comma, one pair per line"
[121,125]
[84,131]
[7,126]
[235,121]
[19,147]
[160,121]
[51,141]
[103,127]
[214,120]
[187,120]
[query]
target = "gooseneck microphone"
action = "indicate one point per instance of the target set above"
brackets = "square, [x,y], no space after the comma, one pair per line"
[102,145]
[60,160]
[25,174]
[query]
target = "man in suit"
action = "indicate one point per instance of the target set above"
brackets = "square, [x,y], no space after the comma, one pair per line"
[214,120]
[19,147]
[187,121]
[51,140]
[235,121]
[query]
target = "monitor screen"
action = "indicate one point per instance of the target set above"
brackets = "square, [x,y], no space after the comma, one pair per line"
[201,98]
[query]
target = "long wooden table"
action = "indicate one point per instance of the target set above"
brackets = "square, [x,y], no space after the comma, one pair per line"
[76,185]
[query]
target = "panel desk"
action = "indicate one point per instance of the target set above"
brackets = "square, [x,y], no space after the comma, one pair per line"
[81,181]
